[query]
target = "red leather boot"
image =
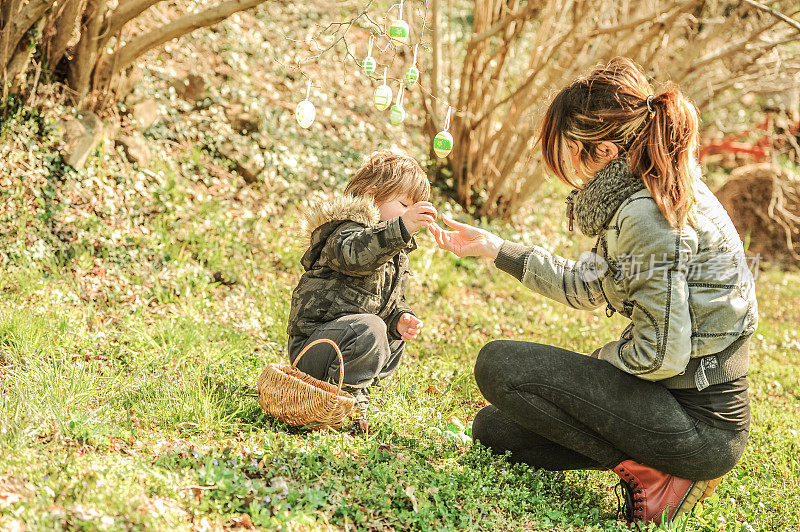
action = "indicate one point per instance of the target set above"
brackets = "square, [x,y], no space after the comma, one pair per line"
[648,493]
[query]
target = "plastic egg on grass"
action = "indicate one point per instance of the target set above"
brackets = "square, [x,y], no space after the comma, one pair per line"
[455,424]
[382,97]
[305,113]
[443,144]
[369,65]
[434,432]
[412,75]
[397,114]
[399,31]
[449,435]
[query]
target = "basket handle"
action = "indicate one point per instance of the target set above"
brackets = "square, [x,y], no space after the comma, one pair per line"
[338,352]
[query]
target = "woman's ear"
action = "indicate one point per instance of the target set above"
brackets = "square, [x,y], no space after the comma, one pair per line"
[607,151]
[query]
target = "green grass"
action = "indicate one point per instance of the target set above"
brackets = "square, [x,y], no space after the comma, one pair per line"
[127,374]
[129,397]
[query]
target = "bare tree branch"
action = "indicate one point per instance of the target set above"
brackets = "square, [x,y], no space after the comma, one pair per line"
[145,42]
[786,19]
[127,11]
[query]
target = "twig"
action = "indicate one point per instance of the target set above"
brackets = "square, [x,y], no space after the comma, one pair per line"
[344,35]
[774,12]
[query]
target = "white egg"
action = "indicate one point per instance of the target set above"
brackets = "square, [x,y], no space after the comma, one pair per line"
[305,113]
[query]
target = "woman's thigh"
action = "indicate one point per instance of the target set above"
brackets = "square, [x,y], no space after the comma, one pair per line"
[640,418]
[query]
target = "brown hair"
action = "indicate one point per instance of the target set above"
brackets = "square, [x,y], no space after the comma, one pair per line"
[611,104]
[391,174]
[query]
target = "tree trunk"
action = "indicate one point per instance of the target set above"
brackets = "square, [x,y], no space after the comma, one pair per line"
[86,52]
[60,28]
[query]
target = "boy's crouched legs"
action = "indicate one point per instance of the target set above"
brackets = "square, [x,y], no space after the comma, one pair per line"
[366,349]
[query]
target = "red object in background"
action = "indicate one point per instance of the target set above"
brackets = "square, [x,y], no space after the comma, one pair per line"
[759,149]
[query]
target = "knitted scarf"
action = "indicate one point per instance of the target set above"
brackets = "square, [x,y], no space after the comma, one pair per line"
[598,200]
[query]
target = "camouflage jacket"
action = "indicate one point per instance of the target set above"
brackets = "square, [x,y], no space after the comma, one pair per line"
[355,264]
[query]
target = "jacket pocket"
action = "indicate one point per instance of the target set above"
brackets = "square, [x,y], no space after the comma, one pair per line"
[352,299]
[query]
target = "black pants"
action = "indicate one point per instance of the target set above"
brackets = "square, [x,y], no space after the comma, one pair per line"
[556,409]
[369,355]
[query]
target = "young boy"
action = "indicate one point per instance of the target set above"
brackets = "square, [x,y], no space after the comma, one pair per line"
[356,270]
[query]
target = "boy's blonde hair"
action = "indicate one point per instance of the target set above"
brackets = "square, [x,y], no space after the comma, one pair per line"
[391,174]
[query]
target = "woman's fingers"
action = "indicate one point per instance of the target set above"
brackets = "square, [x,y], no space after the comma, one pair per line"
[440,238]
[454,224]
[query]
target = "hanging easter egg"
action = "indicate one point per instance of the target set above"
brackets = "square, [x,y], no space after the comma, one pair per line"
[443,141]
[443,144]
[396,115]
[383,94]
[412,75]
[399,31]
[305,113]
[382,97]
[369,65]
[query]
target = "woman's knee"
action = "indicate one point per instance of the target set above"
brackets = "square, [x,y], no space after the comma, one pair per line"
[489,367]
[501,362]
[484,425]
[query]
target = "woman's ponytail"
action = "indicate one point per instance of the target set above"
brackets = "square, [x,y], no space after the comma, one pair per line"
[616,103]
[663,154]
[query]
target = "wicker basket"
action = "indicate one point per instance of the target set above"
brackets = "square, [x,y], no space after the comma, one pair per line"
[298,399]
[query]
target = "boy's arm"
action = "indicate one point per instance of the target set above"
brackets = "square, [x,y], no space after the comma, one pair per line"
[355,250]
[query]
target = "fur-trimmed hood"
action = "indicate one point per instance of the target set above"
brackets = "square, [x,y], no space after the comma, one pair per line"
[360,209]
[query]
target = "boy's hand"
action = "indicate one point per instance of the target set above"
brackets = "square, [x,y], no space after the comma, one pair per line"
[408,326]
[419,215]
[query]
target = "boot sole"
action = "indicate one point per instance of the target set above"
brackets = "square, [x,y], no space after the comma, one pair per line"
[699,491]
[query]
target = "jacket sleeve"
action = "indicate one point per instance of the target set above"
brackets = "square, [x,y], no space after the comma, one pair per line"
[355,250]
[657,344]
[573,283]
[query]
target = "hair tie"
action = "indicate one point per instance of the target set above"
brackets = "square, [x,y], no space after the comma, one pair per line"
[650,103]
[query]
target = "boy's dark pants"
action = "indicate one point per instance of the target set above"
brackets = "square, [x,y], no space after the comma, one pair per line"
[369,355]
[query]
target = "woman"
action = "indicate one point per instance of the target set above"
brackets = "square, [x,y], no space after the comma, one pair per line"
[666,406]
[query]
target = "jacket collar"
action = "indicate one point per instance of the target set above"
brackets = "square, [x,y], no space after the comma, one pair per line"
[598,200]
[338,207]
[361,209]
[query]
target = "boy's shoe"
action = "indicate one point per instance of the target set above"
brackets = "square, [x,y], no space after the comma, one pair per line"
[648,493]
[360,407]
[360,411]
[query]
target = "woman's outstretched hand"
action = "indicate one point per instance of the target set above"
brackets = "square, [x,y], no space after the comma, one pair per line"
[466,240]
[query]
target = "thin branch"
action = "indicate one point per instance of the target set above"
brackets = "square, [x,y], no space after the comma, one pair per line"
[650,17]
[500,26]
[314,58]
[786,19]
